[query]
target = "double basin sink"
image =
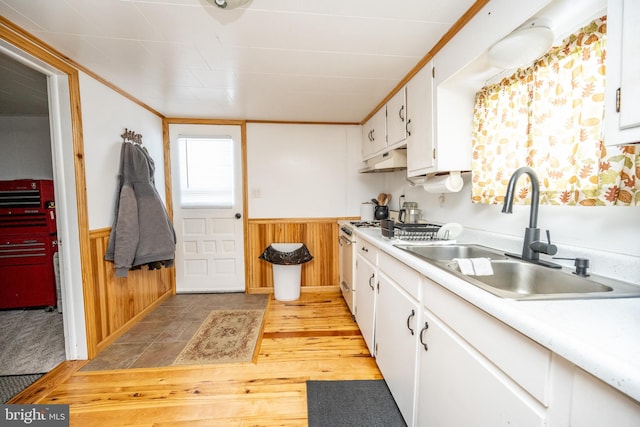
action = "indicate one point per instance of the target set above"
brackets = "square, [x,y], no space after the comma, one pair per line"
[521,280]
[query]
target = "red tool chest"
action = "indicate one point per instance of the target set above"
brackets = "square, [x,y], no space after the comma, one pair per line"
[28,240]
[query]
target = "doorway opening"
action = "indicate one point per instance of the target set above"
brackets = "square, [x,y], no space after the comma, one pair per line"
[37,108]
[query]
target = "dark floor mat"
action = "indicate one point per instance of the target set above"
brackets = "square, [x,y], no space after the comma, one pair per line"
[352,404]
[10,385]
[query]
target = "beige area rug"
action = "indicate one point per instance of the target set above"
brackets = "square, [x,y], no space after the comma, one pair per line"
[226,336]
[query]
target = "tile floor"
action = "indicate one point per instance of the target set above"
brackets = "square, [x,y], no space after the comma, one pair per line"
[160,336]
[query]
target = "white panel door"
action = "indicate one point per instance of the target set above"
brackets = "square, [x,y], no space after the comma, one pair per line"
[210,233]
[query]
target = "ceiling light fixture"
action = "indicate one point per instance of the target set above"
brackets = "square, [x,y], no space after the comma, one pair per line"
[523,46]
[229,4]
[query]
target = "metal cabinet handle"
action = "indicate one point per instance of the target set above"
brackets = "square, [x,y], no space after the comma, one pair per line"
[364,249]
[373,134]
[370,285]
[422,331]
[413,313]
[400,113]
[407,127]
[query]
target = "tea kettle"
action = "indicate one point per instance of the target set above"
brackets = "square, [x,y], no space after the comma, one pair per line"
[409,214]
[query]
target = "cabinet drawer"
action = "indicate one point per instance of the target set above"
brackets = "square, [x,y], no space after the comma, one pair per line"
[368,251]
[520,358]
[405,276]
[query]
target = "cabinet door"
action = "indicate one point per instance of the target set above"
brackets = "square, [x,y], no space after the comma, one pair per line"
[397,118]
[366,300]
[374,134]
[594,403]
[367,142]
[459,387]
[396,355]
[420,149]
[622,103]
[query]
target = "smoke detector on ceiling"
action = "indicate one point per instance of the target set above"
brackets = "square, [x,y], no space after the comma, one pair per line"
[229,4]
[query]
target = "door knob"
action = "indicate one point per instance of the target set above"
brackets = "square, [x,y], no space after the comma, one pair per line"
[238,216]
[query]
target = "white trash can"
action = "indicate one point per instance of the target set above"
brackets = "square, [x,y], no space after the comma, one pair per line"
[286,260]
[286,278]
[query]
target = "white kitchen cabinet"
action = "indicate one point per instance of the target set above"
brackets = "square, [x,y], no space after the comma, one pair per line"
[596,404]
[464,366]
[459,387]
[499,376]
[374,134]
[456,79]
[397,320]
[397,118]
[622,100]
[453,102]
[366,282]
[420,149]
[526,362]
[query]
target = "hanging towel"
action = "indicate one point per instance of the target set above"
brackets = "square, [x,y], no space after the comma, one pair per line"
[142,232]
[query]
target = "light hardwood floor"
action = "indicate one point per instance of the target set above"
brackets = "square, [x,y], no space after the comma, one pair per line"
[311,338]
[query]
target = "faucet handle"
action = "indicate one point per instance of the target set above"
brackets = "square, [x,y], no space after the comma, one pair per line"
[545,248]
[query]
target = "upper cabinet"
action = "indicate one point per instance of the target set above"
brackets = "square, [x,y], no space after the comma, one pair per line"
[433,113]
[459,73]
[420,149]
[387,128]
[397,118]
[440,98]
[374,134]
[622,103]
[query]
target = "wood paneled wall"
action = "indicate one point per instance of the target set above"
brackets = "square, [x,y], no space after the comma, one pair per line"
[319,235]
[119,302]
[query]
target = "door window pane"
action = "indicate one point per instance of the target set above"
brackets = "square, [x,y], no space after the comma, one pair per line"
[206,172]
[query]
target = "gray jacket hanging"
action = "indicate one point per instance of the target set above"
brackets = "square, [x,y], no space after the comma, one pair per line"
[142,232]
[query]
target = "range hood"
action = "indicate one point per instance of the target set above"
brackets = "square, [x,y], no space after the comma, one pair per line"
[390,161]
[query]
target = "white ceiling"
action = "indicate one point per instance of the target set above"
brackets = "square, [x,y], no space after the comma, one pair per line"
[292,60]
[23,90]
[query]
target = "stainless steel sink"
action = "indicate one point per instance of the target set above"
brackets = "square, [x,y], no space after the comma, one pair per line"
[525,281]
[520,280]
[449,252]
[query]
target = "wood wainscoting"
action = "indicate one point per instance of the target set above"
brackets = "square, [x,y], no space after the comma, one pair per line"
[119,302]
[320,235]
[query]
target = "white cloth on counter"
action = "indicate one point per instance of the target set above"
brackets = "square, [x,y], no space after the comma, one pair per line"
[475,266]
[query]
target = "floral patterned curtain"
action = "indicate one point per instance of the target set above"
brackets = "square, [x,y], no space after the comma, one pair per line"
[549,117]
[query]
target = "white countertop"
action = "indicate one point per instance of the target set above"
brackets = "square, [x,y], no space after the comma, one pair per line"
[601,336]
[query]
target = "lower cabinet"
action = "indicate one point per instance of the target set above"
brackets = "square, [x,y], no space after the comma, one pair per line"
[396,330]
[457,386]
[595,404]
[449,363]
[366,300]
